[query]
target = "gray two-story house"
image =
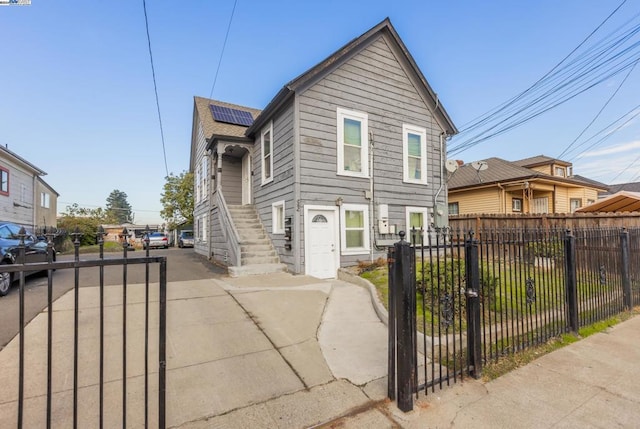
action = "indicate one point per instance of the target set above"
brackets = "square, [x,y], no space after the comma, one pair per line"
[343,157]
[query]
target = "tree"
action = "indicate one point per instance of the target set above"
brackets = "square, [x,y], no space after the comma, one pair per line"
[85,220]
[177,199]
[118,209]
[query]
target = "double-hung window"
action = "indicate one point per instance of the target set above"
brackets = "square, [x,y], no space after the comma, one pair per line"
[4,181]
[516,205]
[354,219]
[266,144]
[353,147]
[277,217]
[44,200]
[454,208]
[414,151]
[575,204]
[204,177]
[417,218]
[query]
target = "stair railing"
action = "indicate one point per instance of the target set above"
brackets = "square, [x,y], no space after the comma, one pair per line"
[229,230]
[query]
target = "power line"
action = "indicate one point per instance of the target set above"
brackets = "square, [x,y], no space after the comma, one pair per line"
[224,45]
[155,86]
[600,112]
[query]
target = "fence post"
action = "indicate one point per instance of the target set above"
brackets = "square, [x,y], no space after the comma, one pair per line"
[626,281]
[571,283]
[391,378]
[402,294]
[474,337]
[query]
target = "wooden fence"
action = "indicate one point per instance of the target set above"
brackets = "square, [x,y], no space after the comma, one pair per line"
[528,221]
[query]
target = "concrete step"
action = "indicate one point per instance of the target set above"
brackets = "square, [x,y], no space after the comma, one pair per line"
[259,254]
[249,270]
[256,247]
[259,260]
[249,223]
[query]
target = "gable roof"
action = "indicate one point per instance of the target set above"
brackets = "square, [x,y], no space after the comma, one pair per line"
[335,59]
[22,161]
[622,201]
[213,128]
[630,187]
[499,170]
[537,160]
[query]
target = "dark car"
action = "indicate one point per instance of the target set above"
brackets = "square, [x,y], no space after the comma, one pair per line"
[35,251]
[185,239]
[155,239]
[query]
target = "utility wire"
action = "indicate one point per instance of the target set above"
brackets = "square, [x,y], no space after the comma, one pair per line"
[600,112]
[224,45]
[155,87]
[486,116]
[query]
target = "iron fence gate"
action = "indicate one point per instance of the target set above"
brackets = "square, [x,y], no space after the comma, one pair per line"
[458,300]
[61,381]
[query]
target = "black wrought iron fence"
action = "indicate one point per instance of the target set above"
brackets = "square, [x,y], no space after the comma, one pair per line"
[79,383]
[477,297]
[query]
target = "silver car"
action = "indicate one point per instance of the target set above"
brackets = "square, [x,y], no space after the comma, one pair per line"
[185,239]
[155,239]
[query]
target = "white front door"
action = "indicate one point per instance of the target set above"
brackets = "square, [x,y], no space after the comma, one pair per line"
[322,255]
[246,179]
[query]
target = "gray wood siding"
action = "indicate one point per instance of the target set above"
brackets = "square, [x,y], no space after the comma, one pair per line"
[372,82]
[19,205]
[201,207]
[281,188]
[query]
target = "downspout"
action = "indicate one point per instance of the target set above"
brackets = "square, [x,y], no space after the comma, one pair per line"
[442,181]
[503,198]
[371,204]
[35,201]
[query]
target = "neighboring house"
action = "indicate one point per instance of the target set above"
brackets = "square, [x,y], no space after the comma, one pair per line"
[21,191]
[343,157]
[628,187]
[534,185]
[46,204]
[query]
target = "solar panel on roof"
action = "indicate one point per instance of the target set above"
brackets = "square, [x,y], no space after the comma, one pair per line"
[231,116]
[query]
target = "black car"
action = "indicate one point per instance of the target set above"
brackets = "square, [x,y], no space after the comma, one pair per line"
[35,251]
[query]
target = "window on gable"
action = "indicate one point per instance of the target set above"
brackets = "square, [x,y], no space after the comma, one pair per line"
[454,208]
[560,171]
[353,147]
[4,181]
[204,177]
[266,143]
[44,200]
[414,149]
[277,217]
[355,229]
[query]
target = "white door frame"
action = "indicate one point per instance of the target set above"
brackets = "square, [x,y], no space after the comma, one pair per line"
[336,234]
[246,179]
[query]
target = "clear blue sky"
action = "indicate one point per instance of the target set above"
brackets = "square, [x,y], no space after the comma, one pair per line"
[77,100]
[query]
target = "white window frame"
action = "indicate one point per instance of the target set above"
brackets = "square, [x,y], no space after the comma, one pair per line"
[204,177]
[4,181]
[422,132]
[277,228]
[571,204]
[204,227]
[343,114]
[265,130]
[45,200]
[513,205]
[343,230]
[560,171]
[198,184]
[425,217]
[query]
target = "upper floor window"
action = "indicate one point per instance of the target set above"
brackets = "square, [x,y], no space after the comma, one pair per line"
[4,181]
[198,182]
[44,200]
[414,150]
[560,171]
[353,149]
[204,176]
[266,143]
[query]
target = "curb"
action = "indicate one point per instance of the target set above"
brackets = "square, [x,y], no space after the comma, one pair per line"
[347,276]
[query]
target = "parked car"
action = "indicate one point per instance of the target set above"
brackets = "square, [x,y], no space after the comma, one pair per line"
[155,239]
[185,239]
[35,251]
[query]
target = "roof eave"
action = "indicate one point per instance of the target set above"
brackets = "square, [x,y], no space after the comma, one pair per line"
[278,101]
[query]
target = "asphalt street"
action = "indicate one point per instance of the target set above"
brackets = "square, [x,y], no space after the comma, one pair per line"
[182,265]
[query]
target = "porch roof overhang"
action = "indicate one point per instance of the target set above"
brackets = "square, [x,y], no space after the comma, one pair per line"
[214,139]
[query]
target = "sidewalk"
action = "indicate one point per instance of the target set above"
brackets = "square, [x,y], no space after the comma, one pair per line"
[282,351]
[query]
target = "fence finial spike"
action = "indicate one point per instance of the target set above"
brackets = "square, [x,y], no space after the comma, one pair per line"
[402,234]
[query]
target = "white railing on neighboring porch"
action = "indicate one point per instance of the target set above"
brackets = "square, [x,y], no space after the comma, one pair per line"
[229,231]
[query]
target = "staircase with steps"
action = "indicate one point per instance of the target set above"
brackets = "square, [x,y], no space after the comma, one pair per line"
[258,255]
